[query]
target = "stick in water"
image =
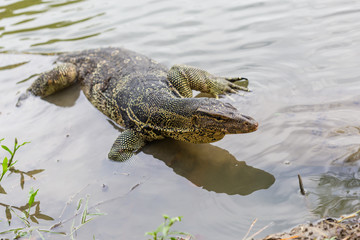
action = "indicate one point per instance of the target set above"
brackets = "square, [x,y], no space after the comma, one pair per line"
[302,191]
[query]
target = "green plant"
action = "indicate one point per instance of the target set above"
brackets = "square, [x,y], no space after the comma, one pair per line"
[16,147]
[32,195]
[23,212]
[85,216]
[30,213]
[8,163]
[5,168]
[163,231]
[28,229]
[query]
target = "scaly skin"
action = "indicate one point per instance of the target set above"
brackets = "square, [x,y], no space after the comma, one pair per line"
[149,100]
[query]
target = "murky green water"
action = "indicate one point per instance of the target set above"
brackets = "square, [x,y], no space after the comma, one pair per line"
[302,59]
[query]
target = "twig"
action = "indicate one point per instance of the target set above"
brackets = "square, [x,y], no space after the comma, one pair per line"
[302,191]
[71,199]
[96,205]
[349,216]
[115,198]
[251,226]
[252,236]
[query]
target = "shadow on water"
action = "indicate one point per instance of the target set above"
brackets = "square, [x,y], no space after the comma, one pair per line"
[210,167]
[66,97]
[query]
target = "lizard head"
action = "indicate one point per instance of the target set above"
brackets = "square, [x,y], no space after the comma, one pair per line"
[222,117]
[209,120]
[198,120]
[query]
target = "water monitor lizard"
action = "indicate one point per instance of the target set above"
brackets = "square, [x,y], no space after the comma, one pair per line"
[149,100]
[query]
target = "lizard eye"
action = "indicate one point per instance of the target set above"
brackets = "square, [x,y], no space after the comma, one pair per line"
[219,118]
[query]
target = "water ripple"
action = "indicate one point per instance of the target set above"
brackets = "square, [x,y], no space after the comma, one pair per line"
[55,25]
[301,58]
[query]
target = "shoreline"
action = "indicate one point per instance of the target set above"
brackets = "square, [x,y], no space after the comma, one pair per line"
[345,228]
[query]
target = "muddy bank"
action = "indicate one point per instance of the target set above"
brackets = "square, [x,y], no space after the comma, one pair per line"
[346,228]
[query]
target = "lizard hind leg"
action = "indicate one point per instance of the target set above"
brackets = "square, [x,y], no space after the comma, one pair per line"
[60,77]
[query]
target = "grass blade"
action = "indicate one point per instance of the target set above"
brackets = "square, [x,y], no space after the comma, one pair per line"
[12,230]
[5,168]
[32,197]
[7,149]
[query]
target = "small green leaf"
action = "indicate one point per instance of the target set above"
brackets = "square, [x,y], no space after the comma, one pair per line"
[7,149]
[180,233]
[12,230]
[5,165]
[16,147]
[79,204]
[83,218]
[159,229]
[22,234]
[165,230]
[85,212]
[5,168]
[48,231]
[12,164]
[22,145]
[174,220]
[32,197]
[150,234]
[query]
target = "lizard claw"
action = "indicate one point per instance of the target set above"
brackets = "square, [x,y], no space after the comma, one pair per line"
[221,85]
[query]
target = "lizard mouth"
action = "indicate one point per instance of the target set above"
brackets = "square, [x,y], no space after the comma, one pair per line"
[244,124]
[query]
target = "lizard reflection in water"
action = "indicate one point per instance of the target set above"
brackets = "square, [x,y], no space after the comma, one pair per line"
[210,167]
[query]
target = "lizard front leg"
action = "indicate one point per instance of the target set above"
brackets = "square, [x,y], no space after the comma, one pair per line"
[125,146]
[186,78]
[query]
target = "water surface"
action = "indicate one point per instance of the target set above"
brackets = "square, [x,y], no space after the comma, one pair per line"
[302,59]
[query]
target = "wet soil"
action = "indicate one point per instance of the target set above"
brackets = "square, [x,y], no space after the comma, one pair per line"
[347,228]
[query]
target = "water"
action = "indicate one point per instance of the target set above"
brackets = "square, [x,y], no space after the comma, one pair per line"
[302,59]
